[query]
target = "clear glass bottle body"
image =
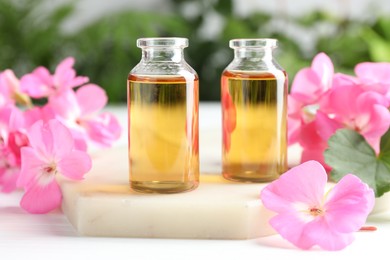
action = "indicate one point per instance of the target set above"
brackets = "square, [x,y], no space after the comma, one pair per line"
[254,113]
[163,100]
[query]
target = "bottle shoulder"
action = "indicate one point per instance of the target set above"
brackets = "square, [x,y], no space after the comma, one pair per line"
[165,68]
[254,65]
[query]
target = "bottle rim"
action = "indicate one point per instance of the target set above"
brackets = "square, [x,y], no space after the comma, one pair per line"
[162,42]
[253,43]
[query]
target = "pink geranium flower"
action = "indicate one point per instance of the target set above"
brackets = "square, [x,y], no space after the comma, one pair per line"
[351,106]
[40,83]
[308,91]
[51,152]
[80,111]
[307,216]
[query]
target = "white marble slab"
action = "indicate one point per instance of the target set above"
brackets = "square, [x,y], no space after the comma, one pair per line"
[104,205]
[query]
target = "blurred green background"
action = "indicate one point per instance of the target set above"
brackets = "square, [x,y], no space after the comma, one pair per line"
[32,34]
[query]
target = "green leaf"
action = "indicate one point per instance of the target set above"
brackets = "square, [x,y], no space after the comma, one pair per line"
[349,152]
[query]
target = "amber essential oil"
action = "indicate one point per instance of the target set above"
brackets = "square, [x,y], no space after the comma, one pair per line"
[254,125]
[163,133]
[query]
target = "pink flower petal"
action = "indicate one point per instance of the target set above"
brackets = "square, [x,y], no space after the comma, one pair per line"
[8,179]
[343,96]
[64,73]
[103,129]
[10,81]
[38,84]
[304,184]
[348,204]
[78,81]
[321,233]
[80,139]
[75,165]
[42,199]
[66,106]
[379,122]
[378,125]
[62,139]
[326,127]
[34,114]
[309,137]
[323,66]
[16,120]
[40,139]
[290,226]
[293,133]
[294,107]
[51,140]
[64,66]
[366,100]
[374,76]
[91,98]
[306,86]
[317,154]
[17,140]
[65,76]
[31,166]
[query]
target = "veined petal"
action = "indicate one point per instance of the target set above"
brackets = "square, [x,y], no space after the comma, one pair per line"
[31,166]
[16,120]
[342,99]
[104,129]
[10,81]
[41,139]
[304,183]
[37,84]
[62,139]
[306,86]
[91,98]
[348,204]
[368,99]
[371,72]
[322,233]
[42,199]
[65,76]
[64,66]
[378,124]
[77,81]
[290,226]
[66,106]
[323,66]
[75,165]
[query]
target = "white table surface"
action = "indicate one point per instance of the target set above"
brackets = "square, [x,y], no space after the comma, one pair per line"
[51,236]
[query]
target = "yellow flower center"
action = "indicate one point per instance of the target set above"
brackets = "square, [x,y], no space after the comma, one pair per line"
[316,212]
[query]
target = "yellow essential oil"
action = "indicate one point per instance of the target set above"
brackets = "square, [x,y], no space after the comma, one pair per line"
[163,133]
[254,125]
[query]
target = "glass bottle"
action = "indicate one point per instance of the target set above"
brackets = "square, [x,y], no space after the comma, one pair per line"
[254,113]
[163,100]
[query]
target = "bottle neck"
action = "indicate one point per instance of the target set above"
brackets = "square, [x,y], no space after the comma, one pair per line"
[162,54]
[253,53]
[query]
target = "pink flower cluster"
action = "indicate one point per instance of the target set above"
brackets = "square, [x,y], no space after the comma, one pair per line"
[38,142]
[322,101]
